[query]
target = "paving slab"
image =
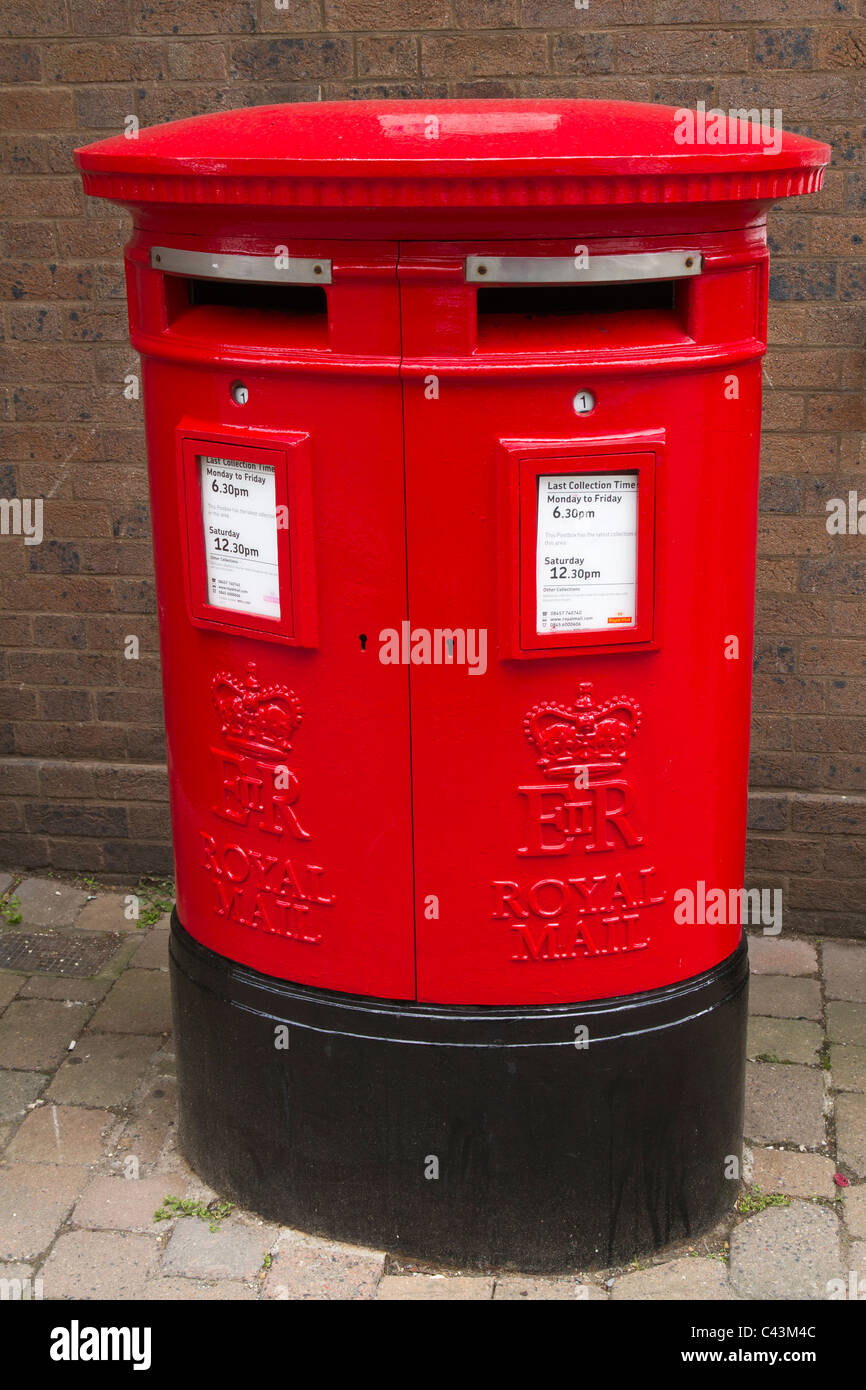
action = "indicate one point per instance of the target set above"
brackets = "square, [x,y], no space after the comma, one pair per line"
[778,955]
[854,1210]
[61,1134]
[5,882]
[47,903]
[99,1265]
[124,1204]
[851,1132]
[151,1123]
[793,1174]
[17,1283]
[234,1251]
[435,1287]
[18,1089]
[786,1253]
[35,1033]
[106,912]
[844,970]
[307,1268]
[10,984]
[72,987]
[513,1287]
[846,1023]
[784,1039]
[197,1291]
[692,1277]
[104,1070]
[140,1002]
[848,1067]
[165,1059]
[34,1200]
[784,1104]
[781,996]
[152,952]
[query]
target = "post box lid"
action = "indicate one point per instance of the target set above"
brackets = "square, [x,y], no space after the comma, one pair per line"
[468,154]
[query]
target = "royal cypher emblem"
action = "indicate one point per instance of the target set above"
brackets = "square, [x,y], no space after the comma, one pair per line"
[582,811]
[261,881]
[582,735]
[259,719]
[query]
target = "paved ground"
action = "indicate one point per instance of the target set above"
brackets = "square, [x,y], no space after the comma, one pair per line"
[87,1150]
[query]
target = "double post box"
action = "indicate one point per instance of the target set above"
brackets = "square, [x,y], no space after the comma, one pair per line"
[452,415]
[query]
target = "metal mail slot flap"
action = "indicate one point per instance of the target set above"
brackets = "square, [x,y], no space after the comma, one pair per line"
[582,269]
[261,270]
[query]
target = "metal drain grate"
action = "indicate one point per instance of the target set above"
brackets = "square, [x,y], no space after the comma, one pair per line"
[55,954]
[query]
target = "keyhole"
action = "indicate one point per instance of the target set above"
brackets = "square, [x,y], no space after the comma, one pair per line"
[363,640]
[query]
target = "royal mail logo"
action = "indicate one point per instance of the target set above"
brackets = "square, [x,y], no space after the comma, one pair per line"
[261,879]
[582,812]
[587,734]
[259,719]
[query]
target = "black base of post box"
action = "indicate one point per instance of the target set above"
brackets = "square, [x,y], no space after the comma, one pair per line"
[474,1137]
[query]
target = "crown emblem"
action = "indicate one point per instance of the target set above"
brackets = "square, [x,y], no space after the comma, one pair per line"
[585,734]
[260,719]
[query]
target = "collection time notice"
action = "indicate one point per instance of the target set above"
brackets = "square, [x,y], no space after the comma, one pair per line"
[586,552]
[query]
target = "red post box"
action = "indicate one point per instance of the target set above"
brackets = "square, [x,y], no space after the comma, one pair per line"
[453,416]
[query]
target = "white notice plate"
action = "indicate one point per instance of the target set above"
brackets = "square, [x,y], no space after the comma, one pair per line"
[239,514]
[586,552]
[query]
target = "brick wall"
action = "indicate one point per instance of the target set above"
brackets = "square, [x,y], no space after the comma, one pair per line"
[83,784]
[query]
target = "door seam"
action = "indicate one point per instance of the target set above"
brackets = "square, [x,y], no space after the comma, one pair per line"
[409,621]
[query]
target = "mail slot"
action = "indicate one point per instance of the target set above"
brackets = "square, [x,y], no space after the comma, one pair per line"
[452,417]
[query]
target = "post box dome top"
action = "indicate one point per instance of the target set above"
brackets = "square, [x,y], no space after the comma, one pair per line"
[470,154]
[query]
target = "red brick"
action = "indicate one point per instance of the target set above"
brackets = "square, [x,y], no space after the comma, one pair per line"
[81,241]
[70,740]
[197,61]
[787,10]
[416,15]
[389,56]
[788,693]
[32,18]
[785,48]
[45,197]
[64,705]
[783,410]
[561,14]
[842,48]
[19,62]
[36,108]
[487,14]
[98,16]
[780,535]
[483,56]
[800,367]
[798,453]
[290,58]
[800,96]
[105,61]
[292,18]
[105,109]
[33,280]
[193,17]
[701,51]
[585,53]
[28,238]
